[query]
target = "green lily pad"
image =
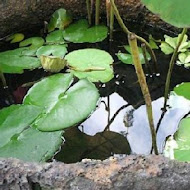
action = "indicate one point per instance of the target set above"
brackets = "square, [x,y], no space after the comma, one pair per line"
[18,37]
[52,64]
[60,19]
[183,90]
[33,42]
[174,12]
[14,61]
[80,32]
[127,57]
[62,108]
[93,64]
[55,37]
[14,119]
[32,145]
[55,50]
[182,138]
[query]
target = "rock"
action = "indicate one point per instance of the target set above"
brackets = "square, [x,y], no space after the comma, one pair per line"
[125,173]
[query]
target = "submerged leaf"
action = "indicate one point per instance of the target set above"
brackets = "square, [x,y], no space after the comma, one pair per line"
[60,19]
[86,60]
[127,57]
[18,37]
[52,64]
[80,32]
[33,42]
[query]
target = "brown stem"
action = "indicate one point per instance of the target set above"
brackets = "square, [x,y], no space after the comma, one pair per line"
[126,30]
[142,81]
[111,23]
[88,7]
[172,62]
[97,19]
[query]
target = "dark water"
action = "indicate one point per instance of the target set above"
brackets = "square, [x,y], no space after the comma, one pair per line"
[121,115]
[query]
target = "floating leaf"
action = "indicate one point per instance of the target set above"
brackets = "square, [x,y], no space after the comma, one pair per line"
[183,90]
[60,19]
[175,12]
[18,37]
[182,138]
[62,108]
[127,57]
[14,119]
[33,42]
[89,60]
[55,50]
[55,37]
[80,32]
[52,64]
[14,61]
[184,59]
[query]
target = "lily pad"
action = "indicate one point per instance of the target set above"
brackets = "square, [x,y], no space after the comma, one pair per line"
[127,57]
[60,19]
[14,61]
[93,64]
[183,90]
[55,37]
[182,138]
[174,12]
[63,108]
[18,37]
[33,42]
[55,50]
[14,119]
[80,32]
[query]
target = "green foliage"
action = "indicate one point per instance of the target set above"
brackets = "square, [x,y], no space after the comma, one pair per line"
[33,42]
[55,37]
[20,141]
[174,12]
[93,64]
[183,90]
[18,37]
[80,32]
[13,61]
[63,107]
[127,57]
[60,19]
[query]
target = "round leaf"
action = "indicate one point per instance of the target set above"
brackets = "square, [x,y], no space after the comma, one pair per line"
[80,32]
[34,42]
[174,12]
[55,37]
[18,37]
[183,90]
[71,108]
[93,64]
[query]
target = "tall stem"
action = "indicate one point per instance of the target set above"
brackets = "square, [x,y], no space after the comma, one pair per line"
[111,23]
[97,19]
[148,70]
[108,6]
[2,77]
[126,30]
[142,81]
[172,62]
[88,7]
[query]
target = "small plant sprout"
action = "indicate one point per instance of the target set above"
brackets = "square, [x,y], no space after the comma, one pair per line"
[142,81]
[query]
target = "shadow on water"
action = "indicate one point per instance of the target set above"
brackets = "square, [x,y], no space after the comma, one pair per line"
[119,124]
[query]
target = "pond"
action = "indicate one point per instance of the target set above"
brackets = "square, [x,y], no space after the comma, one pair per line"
[119,124]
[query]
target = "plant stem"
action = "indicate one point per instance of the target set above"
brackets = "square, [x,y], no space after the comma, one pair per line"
[126,30]
[143,46]
[97,19]
[108,6]
[171,65]
[142,81]
[88,11]
[111,23]
[2,77]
